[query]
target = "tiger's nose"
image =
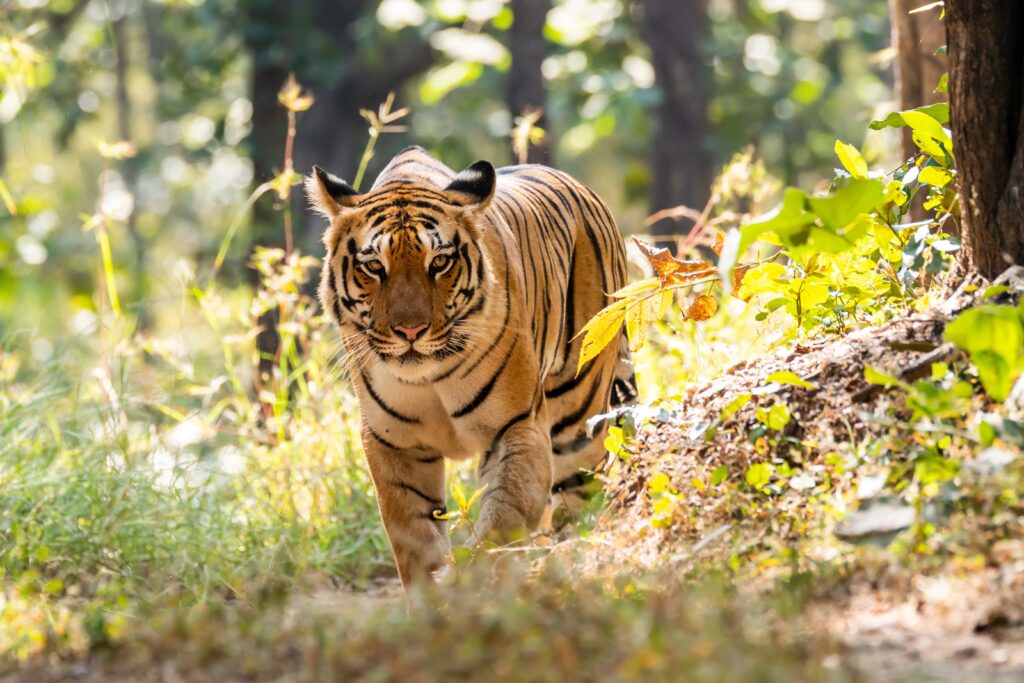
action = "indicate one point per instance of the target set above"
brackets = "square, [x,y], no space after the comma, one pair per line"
[411,332]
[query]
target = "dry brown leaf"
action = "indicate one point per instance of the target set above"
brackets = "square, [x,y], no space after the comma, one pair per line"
[668,268]
[719,242]
[737,279]
[702,308]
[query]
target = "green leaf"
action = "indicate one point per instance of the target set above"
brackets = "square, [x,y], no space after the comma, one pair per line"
[441,81]
[851,159]
[935,469]
[877,377]
[778,417]
[993,336]
[928,134]
[787,377]
[939,112]
[734,406]
[719,475]
[943,86]
[994,290]
[759,475]
[837,210]
[788,218]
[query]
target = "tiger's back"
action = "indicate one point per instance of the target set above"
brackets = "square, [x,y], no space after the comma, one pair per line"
[572,257]
[459,299]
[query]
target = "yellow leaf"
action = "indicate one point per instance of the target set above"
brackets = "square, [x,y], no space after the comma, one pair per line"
[935,175]
[637,288]
[851,159]
[601,330]
[760,279]
[641,313]
[459,495]
[476,496]
[813,291]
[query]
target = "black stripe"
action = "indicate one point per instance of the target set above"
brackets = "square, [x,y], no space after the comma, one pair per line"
[485,391]
[501,432]
[574,446]
[575,417]
[384,406]
[425,459]
[412,489]
[571,384]
[623,391]
[381,439]
[569,311]
[572,482]
[504,324]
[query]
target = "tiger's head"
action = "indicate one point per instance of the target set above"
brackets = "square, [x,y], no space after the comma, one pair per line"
[405,272]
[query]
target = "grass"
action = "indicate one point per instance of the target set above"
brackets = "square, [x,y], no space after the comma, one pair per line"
[123,477]
[552,627]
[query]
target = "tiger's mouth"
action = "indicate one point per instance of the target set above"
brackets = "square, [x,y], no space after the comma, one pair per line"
[411,356]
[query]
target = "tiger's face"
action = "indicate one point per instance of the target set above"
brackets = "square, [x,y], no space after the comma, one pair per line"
[405,274]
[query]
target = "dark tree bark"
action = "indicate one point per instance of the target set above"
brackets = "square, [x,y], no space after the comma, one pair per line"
[680,162]
[986,59]
[525,90]
[266,141]
[916,38]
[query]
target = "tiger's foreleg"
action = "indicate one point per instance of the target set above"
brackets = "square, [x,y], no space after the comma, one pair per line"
[517,473]
[410,494]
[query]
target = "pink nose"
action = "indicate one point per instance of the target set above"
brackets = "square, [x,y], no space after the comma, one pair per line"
[411,332]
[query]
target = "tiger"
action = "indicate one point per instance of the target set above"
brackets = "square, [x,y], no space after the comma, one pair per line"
[459,299]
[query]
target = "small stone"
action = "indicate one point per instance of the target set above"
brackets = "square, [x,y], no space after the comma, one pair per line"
[879,519]
[991,461]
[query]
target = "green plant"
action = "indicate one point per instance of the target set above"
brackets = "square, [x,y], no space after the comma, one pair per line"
[842,259]
[993,335]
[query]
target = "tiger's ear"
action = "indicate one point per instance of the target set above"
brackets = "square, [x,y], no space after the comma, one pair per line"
[328,194]
[473,188]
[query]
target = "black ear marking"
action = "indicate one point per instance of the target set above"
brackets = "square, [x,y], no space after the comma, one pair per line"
[328,194]
[473,186]
[337,188]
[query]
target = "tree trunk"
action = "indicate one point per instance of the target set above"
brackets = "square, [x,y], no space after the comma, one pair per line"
[270,60]
[130,166]
[916,38]
[986,58]
[525,81]
[680,162]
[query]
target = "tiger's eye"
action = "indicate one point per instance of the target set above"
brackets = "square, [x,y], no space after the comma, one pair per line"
[440,261]
[375,266]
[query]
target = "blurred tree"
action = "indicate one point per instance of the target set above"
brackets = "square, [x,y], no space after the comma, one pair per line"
[130,165]
[525,90]
[986,59]
[681,168]
[917,38]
